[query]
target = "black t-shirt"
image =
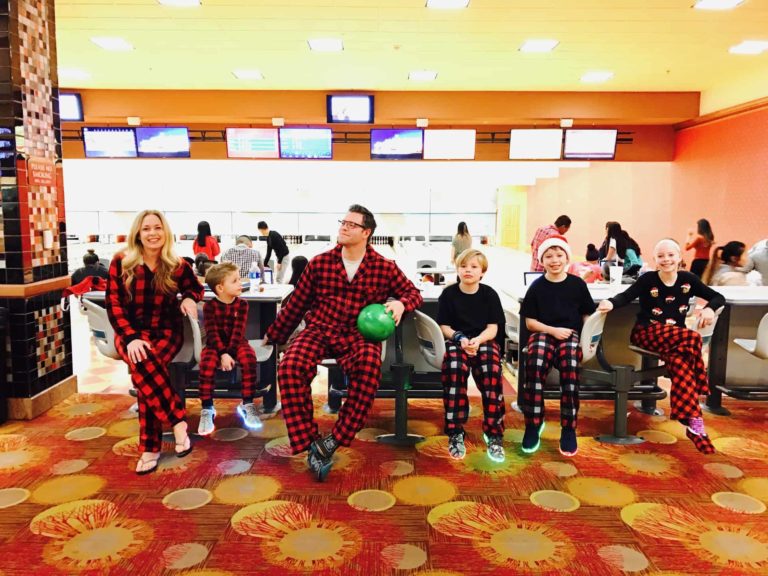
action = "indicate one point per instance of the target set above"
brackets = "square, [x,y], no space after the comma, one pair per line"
[471,313]
[559,304]
[94,270]
[275,242]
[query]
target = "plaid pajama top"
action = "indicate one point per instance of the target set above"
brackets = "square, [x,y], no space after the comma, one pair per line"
[332,303]
[539,236]
[664,304]
[225,325]
[148,309]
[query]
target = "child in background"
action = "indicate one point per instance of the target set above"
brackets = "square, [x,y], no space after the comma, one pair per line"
[554,309]
[225,317]
[589,270]
[471,317]
[665,296]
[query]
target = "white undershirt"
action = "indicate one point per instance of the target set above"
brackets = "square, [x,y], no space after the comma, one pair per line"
[351,267]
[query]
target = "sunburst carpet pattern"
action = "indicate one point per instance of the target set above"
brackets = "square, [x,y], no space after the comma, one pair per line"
[70,502]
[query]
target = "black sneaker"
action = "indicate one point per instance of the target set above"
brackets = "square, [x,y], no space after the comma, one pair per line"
[568,444]
[456,447]
[532,437]
[320,458]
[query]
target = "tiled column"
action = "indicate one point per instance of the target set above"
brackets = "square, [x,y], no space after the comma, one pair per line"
[33,253]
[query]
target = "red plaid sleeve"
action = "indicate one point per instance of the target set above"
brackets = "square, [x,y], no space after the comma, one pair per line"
[116,302]
[296,307]
[237,334]
[189,285]
[404,290]
[214,327]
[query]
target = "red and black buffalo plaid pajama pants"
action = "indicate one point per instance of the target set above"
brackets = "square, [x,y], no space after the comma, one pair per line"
[158,401]
[210,360]
[545,352]
[361,363]
[680,349]
[486,371]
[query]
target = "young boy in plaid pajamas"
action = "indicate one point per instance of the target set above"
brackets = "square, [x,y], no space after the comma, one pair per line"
[664,300]
[225,318]
[554,309]
[470,316]
[144,310]
[332,290]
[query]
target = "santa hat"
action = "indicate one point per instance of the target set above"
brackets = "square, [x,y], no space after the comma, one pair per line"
[552,241]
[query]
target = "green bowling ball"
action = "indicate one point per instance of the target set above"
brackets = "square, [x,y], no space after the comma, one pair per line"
[375,323]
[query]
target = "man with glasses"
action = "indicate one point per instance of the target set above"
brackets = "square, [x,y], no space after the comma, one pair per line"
[334,287]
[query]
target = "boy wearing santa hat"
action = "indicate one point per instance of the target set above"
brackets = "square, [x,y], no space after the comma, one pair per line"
[554,309]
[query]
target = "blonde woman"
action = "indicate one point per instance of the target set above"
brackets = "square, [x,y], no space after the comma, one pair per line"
[145,312]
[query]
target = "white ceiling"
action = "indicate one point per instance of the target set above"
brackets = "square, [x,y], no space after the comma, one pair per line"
[651,45]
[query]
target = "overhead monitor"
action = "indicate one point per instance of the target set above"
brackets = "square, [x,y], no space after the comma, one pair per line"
[535,144]
[70,107]
[306,143]
[590,144]
[397,144]
[449,144]
[162,142]
[108,142]
[252,143]
[349,108]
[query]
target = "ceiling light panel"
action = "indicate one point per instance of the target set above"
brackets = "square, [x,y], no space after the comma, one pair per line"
[717,4]
[596,76]
[539,45]
[749,47]
[447,4]
[112,43]
[248,74]
[422,75]
[180,3]
[326,44]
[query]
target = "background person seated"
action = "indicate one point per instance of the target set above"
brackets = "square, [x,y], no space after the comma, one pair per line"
[91,267]
[589,270]
[244,255]
[726,268]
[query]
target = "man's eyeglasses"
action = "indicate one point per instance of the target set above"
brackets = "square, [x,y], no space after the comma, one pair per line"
[348,224]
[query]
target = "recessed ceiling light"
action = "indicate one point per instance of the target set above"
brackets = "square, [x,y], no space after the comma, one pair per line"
[179,3]
[73,74]
[112,43]
[716,4]
[596,76]
[539,45]
[447,4]
[422,75]
[749,47]
[325,44]
[248,74]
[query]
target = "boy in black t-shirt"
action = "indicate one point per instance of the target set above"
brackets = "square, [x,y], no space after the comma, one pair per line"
[471,318]
[554,309]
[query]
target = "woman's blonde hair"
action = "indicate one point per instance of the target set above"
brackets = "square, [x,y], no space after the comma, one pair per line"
[133,256]
[470,253]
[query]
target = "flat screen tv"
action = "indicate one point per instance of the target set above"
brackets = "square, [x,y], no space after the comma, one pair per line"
[397,144]
[70,107]
[109,142]
[306,143]
[162,142]
[252,143]
[349,109]
[535,144]
[590,144]
[449,144]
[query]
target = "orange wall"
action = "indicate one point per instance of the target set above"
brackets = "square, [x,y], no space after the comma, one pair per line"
[719,172]
[637,194]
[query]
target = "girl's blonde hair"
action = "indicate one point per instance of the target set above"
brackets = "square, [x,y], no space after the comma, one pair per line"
[470,253]
[133,256]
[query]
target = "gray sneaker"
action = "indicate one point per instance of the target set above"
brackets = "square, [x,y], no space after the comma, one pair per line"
[266,415]
[250,416]
[456,447]
[495,448]
[206,421]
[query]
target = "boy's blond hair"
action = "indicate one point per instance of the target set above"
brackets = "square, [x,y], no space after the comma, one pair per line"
[216,275]
[470,253]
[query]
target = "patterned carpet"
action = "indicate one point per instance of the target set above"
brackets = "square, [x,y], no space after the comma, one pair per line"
[240,504]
